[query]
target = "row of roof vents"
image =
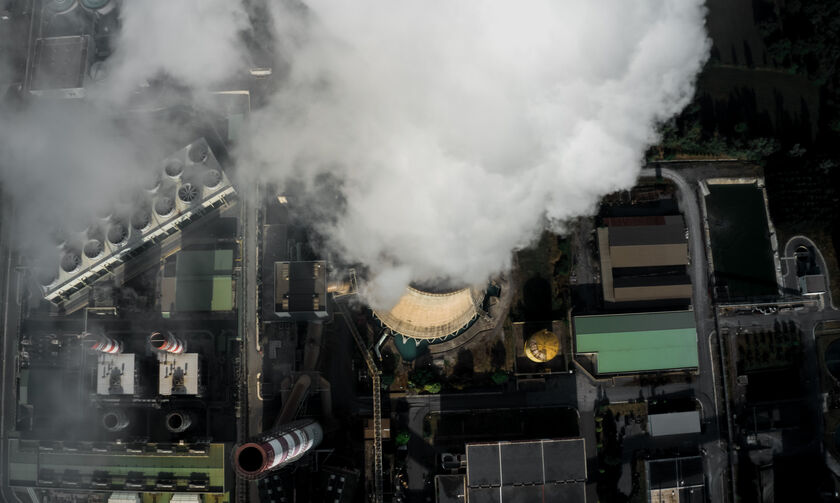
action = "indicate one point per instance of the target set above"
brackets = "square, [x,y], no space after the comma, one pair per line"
[188,181]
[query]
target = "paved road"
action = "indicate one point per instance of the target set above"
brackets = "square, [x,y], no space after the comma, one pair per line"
[789,267]
[707,385]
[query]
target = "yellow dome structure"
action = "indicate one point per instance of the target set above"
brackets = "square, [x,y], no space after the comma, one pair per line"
[429,316]
[543,346]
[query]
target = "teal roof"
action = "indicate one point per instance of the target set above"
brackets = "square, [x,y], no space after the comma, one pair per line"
[638,342]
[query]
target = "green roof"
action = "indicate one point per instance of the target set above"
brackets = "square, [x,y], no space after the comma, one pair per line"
[638,342]
[204,280]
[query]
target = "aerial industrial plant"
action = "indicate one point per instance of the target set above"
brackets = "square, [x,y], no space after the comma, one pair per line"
[392,252]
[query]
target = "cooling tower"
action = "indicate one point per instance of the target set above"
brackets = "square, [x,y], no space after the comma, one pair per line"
[428,315]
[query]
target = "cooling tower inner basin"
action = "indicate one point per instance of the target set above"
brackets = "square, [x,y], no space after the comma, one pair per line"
[173,167]
[110,420]
[175,421]
[140,219]
[250,458]
[211,178]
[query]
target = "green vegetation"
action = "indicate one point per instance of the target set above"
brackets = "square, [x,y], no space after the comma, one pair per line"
[543,272]
[402,438]
[500,377]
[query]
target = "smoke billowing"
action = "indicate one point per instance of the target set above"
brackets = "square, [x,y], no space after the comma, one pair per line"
[459,130]
[454,131]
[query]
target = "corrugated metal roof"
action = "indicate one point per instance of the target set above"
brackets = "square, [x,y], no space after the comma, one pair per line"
[649,255]
[674,423]
[638,342]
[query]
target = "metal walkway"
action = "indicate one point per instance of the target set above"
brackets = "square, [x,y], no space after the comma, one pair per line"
[374,372]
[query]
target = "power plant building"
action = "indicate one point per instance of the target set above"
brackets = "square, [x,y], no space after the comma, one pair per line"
[431,316]
[179,374]
[198,281]
[639,342]
[300,289]
[644,258]
[128,467]
[116,374]
[539,470]
[190,183]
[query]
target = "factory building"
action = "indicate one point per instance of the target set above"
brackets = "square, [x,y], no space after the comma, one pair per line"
[432,316]
[300,290]
[190,183]
[644,258]
[675,480]
[540,470]
[639,342]
[126,467]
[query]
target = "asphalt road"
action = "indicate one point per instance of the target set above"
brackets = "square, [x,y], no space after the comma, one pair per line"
[9,346]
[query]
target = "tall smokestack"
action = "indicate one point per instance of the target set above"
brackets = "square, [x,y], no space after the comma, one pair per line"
[106,344]
[277,448]
[168,343]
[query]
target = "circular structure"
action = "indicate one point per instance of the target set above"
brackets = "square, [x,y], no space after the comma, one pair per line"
[211,178]
[542,346]
[46,276]
[115,420]
[93,248]
[173,168]
[188,193]
[198,153]
[164,206]
[177,421]
[428,316]
[141,219]
[117,233]
[94,4]
[70,261]
[60,6]
[832,359]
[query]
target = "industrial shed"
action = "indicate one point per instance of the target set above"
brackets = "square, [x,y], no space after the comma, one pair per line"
[644,258]
[639,342]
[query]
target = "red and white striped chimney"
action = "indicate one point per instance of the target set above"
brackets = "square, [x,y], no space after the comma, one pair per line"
[168,343]
[106,344]
[276,449]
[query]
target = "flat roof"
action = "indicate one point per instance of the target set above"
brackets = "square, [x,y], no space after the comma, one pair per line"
[675,480]
[670,231]
[526,471]
[300,287]
[638,342]
[178,374]
[674,423]
[203,281]
[115,374]
[649,255]
[27,463]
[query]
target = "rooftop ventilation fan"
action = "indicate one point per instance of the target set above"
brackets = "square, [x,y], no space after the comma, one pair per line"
[198,153]
[117,233]
[173,168]
[141,219]
[46,277]
[93,248]
[60,6]
[164,206]
[188,192]
[70,261]
[212,178]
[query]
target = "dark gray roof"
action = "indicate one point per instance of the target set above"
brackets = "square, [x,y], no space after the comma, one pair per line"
[449,488]
[674,472]
[672,232]
[305,287]
[526,471]
[633,281]
[674,423]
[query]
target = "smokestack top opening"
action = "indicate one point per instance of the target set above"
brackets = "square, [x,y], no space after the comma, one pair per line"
[158,340]
[175,420]
[250,458]
[110,420]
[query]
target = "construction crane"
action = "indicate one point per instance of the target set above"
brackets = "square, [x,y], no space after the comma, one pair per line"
[376,377]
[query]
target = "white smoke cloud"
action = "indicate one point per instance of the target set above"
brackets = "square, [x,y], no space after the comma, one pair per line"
[458,130]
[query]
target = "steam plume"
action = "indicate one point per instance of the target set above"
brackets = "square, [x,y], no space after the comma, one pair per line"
[458,130]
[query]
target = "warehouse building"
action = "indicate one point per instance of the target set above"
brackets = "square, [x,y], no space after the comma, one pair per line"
[639,342]
[538,470]
[675,480]
[644,258]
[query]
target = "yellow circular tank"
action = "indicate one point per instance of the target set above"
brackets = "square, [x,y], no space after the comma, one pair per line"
[542,346]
